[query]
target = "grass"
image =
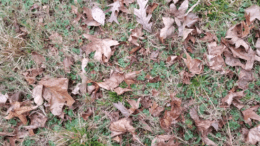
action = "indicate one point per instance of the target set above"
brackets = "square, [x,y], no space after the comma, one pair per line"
[207,89]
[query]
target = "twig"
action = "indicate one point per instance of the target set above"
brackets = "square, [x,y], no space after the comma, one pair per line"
[192,7]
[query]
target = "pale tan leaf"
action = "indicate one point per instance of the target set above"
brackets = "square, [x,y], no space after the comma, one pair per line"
[120,91]
[254,12]
[142,17]
[121,126]
[37,94]
[56,38]
[122,109]
[115,10]
[3,98]
[98,15]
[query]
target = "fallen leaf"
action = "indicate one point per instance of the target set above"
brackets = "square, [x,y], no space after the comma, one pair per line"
[122,109]
[116,78]
[151,8]
[171,60]
[170,116]
[30,75]
[115,10]
[254,12]
[90,20]
[214,58]
[98,15]
[251,114]
[101,46]
[155,109]
[37,94]
[37,120]
[164,140]
[37,58]
[67,62]
[244,78]
[168,28]
[253,135]
[136,35]
[154,55]
[87,114]
[209,37]
[195,66]
[3,98]
[142,18]
[234,40]
[185,76]
[231,96]
[134,105]
[84,63]
[19,111]
[203,126]
[74,9]
[146,126]
[134,50]
[155,92]
[120,91]
[146,102]
[117,139]
[121,126]
[56,38]
[231,60]
[55,92]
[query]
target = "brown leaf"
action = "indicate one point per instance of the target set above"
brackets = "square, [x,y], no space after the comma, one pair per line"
[186,77]
[3,98]
[115,10]
[90,20]
[116,78]
[134,50]
[37,94]
[231,60]
[171,60]
[203,126]
[30,75]
[67,62]
[146,102]
[214,58]
[74,9]
[101,46]
[253,135]
[168,28]
[151,8]
[122,109]
[154,55]
[164,140]
[134,105]
[209,37]
[18,111]
[234,40]
[250,114]
[195,66]
[56,38]
[55,92]
[142,18]
[87,114]
[136,35]
[37,120]
[170,116]
[120,91]
[37,58]
[121,126]
[155,109]
[254,12]
[155,92]
[231,96]
[244,78]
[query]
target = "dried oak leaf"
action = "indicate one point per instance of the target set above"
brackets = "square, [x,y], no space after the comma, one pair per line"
[214,58]
[122,126]
[115,10]
[254,12]
[134,105]
[116,78]
[244,78]
[185,76]
[168,28]
[155,109]
[251,114]
[142,17]
[67,62]
[232,96]
[37,120]
[170,117]
[209,37]
[101,46]
[231,60]
[195,66]
[30,75]
[136,35]
[90,20]
[253,135]
[203,126]
[55,92]
[164,140]
[19,110]
[37,94]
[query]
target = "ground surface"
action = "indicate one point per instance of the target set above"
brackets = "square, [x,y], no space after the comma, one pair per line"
[205,90]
